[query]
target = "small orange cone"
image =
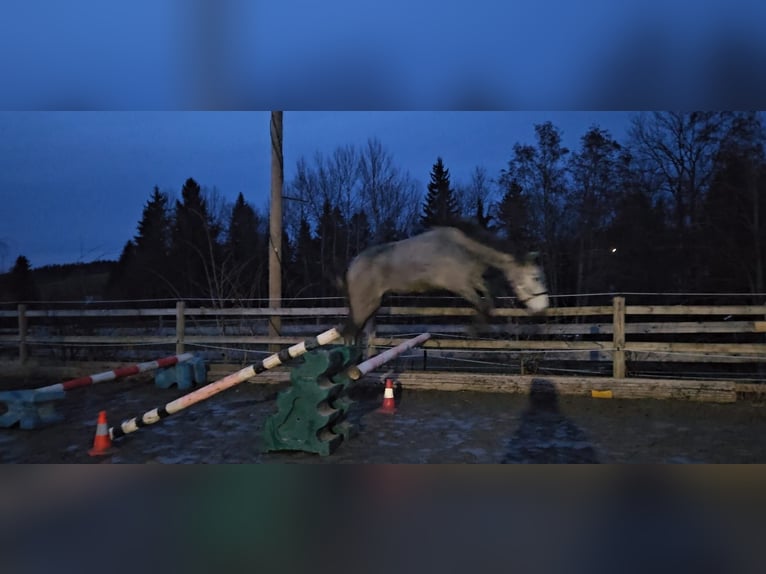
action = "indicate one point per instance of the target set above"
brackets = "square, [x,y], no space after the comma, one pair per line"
[102,444]
[389,405]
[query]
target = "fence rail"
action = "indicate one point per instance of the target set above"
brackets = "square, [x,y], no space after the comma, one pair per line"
[618,340]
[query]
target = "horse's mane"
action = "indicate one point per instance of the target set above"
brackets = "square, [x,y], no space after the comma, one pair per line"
[485,236]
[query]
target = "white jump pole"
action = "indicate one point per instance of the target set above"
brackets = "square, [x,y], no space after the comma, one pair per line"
[155,415]
[360,370]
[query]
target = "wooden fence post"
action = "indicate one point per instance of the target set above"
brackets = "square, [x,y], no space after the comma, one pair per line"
[23,350]
[180,326]
[618,338]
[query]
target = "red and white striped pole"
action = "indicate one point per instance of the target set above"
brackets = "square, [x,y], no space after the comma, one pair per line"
[119,373]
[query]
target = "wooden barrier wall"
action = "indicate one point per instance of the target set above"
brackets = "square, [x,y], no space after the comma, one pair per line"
[615,341]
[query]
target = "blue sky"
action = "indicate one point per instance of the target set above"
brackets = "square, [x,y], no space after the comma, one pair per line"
[75,183]
[342,54]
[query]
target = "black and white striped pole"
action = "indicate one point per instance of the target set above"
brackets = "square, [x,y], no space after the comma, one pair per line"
[156,415]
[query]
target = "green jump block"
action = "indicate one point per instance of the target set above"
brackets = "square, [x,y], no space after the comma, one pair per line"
[311,413]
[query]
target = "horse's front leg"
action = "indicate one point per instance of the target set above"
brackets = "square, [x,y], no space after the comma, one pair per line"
[481,302]
[484,298]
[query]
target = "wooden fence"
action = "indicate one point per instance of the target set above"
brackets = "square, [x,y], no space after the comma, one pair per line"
[592,346]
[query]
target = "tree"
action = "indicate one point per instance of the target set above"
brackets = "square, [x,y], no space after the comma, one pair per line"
[390,198]
[441,205]
[358,233]
[332,236]
[540,171]
[152,248]
[305,269]
[511,216]
[734,210]
[194,244]
[476,198]
[121,283]
[22,284]
[595,174]
[677,152]
[244,268]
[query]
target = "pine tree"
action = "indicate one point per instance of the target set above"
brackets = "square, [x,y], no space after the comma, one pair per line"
[441,205]
[246,251]
[122,282]
[193,243]
[151,247]
[332,235]
[306,267]
[23,287]
[513,219]
[359,233]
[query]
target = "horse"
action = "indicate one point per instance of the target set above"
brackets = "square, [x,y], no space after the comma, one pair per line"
[454,258]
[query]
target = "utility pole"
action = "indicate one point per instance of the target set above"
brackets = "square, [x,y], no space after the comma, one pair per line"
[275,226]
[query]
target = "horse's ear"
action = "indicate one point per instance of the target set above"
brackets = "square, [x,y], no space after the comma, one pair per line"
[532,256]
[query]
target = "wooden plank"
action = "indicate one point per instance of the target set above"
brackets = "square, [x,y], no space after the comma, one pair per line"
[62,313]
[751,388]
[665,357]
[696,310]
[497,312]
[754,349]
[691,327]
[500,344]
[552,329]
[548,355]
[189,312]
[268,312]
[693,390]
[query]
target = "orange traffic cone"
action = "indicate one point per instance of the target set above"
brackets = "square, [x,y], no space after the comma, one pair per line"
[102,444]
[389,405]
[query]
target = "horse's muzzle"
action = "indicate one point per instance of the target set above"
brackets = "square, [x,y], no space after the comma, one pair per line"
[538,302]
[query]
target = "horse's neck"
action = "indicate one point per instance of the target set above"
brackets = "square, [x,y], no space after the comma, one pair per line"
[492,256]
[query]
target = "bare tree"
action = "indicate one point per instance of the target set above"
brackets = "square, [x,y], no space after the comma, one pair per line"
[679,149]
[390,198]
[477,196]
[595,174]
[540,173]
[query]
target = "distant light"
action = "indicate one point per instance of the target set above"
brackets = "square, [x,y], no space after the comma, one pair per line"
[614,250]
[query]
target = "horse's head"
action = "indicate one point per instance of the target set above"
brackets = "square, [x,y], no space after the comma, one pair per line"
[528,281]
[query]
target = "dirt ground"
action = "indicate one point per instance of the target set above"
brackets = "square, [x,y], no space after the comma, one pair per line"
[428,427]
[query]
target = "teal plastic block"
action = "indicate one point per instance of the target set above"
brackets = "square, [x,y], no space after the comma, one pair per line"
[30,409]
[185,375]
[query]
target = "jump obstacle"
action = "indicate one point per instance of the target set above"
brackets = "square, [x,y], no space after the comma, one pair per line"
[311,415]
[314,404]
[157,414]
[33,408]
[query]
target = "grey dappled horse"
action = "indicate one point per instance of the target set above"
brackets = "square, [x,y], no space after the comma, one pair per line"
[441,258]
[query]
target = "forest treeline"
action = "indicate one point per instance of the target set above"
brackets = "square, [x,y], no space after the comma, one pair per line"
[679,206]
